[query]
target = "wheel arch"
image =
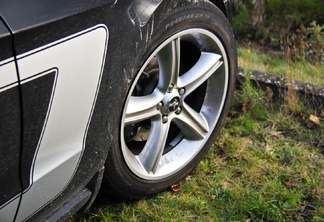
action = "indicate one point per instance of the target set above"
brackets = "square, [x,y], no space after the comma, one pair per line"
[141,11]
[225,6]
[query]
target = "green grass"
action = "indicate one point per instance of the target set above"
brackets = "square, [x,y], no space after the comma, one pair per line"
[275,65]
[266,165]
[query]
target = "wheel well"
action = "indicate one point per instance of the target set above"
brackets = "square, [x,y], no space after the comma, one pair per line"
[221,5]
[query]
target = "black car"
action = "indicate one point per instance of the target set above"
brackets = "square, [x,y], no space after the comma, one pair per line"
[123,95]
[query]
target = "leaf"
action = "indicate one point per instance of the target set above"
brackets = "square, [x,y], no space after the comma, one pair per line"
[175,187]
[291,183]
[314,119]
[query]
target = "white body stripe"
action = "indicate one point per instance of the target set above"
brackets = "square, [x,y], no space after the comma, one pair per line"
[8,74]
[79,61]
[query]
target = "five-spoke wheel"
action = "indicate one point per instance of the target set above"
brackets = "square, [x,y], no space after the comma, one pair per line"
[170,113]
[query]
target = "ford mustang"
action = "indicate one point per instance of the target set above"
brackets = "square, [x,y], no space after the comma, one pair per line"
[126,96]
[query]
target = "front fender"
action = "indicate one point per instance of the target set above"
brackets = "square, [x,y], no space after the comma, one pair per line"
[140,11]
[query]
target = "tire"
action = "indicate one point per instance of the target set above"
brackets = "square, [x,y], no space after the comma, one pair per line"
[177,102]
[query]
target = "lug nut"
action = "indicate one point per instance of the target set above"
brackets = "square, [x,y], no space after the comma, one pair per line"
[159,105]
[182,91]
[178,111]
[165,119]
[170,88]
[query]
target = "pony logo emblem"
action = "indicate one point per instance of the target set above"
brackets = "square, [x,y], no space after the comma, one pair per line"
[174,104]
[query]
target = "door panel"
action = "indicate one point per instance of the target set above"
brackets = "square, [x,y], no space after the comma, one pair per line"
[10,128]
[68,73]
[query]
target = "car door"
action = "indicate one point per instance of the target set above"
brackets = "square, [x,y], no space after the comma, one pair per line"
[10,128]
[59,75]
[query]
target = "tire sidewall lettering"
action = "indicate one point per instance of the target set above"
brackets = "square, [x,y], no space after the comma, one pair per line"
[186,17]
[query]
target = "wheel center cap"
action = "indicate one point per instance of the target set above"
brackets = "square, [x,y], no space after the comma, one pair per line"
[174,104]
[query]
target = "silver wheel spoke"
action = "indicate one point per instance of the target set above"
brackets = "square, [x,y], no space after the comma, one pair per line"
[192,124]
[142,107]
[207,64]
[152,152]
[169,62]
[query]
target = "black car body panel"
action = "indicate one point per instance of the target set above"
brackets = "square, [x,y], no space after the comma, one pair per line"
[25,28]
[6,42]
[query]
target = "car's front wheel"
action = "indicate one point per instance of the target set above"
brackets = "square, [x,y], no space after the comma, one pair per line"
[176,103]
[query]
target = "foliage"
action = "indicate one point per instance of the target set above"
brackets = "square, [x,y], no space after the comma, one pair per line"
[308,43]
[278,22]
[274,18]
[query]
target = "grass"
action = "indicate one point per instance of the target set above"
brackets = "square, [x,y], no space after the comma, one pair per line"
[304,71]
[266,165]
